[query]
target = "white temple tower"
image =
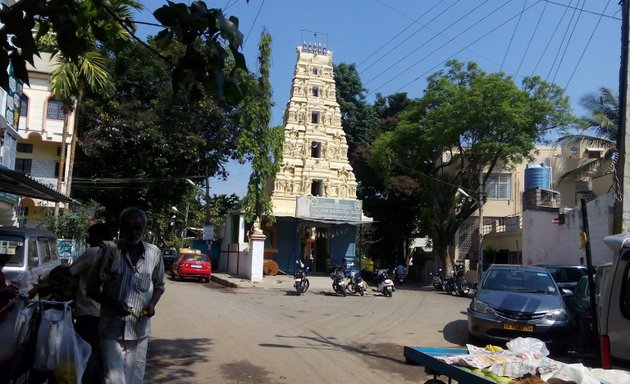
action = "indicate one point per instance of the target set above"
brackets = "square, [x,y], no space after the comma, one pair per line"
[315,153]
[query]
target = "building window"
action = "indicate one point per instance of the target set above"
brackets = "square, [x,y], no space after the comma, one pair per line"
[23,105]
[315,117]
[625,290]
[317,187]
[316,149]
[315,70]
[315,91]
[55,109]
[499,186]
[23,165]
[24,148]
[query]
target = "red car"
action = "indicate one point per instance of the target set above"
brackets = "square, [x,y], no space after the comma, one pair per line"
[192,265]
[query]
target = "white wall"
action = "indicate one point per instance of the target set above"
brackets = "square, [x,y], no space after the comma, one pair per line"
[547,243]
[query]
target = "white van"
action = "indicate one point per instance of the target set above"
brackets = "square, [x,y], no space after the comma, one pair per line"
[614,304]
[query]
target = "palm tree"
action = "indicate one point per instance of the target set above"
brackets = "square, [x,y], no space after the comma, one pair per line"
[603,118]
[71,80]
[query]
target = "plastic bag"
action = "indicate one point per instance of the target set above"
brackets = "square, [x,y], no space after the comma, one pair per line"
[528,345]
[59,349]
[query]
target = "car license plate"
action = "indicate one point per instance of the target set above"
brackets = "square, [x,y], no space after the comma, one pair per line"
[519,327]
[195,266]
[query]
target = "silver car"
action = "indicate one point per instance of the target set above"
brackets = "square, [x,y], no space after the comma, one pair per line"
[518,300]
[32,255]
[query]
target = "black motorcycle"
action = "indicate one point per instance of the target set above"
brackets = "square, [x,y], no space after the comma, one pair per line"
[300,277]
[459,280]
[437,281]
[339,282]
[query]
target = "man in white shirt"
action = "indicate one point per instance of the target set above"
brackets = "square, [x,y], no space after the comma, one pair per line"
[87,310]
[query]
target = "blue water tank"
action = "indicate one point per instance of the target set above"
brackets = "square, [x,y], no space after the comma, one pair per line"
[537,176]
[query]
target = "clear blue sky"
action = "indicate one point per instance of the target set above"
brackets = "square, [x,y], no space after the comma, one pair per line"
[398,43]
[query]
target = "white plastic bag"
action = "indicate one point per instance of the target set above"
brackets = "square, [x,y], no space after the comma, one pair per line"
[528,345]
[59,349]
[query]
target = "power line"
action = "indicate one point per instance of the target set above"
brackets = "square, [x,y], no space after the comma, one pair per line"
[564,36]
[443,45]
[414,21]
[530,40]
[254,23]
[586,46]
[591,12]
[512,38]
[423,44]
[447,38]
[474,42]
[566,47]
[410,36]
[550,39]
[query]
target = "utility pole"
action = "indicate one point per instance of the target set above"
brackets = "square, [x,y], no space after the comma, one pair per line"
[480,202]
[621,219]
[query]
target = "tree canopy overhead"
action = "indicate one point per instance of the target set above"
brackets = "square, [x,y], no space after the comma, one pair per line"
[193,41]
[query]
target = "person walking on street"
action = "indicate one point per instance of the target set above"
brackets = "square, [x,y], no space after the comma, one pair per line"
[128,281]
[87,310]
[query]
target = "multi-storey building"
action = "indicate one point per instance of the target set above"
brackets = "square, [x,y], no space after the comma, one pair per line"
[38,150]
[508,197]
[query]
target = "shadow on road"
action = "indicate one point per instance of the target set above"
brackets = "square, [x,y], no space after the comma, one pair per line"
[387,357]
[456,332]
[168,360]
[245,372]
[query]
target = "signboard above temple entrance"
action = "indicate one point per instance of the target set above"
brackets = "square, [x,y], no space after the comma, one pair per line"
[320,208]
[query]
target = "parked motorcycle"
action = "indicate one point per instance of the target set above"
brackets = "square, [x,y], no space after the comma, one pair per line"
[436,280]
[356,284]
[301,282]
[339,282]
[449,285]
[459,280]
[385,284]
[400,272]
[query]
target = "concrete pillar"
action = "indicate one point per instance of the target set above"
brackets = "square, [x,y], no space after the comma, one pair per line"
[257,252]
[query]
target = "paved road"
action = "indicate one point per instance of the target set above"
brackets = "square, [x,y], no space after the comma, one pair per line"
[205,333]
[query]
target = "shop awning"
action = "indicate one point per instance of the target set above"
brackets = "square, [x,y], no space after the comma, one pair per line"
[18,183]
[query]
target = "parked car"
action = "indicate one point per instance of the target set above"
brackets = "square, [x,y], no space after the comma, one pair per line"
[566,276]
[579,305]
[613,308]
[33,254]
[169,255]
[192,265]
[519,300]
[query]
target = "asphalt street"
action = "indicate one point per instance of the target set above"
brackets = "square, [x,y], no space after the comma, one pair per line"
[207,333]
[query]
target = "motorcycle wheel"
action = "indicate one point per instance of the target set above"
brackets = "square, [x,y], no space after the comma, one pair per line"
[343,292]
[305,285]
[298,289]
[389,292]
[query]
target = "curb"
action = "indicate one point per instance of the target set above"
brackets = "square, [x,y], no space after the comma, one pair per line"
[223,282]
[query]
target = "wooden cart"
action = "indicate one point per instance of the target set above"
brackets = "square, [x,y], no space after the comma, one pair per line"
[427,357]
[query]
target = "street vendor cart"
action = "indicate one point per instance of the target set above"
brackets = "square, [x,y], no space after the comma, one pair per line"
[428,357]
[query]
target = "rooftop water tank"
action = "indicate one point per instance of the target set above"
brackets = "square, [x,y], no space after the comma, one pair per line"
[537,176]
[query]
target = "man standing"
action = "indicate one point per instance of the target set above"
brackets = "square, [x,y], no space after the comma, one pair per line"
[87,310]
[128,281]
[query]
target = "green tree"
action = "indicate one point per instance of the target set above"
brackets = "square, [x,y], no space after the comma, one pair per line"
[467,123]
[139,146]
[394,221]
[260,144]
[602,121]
